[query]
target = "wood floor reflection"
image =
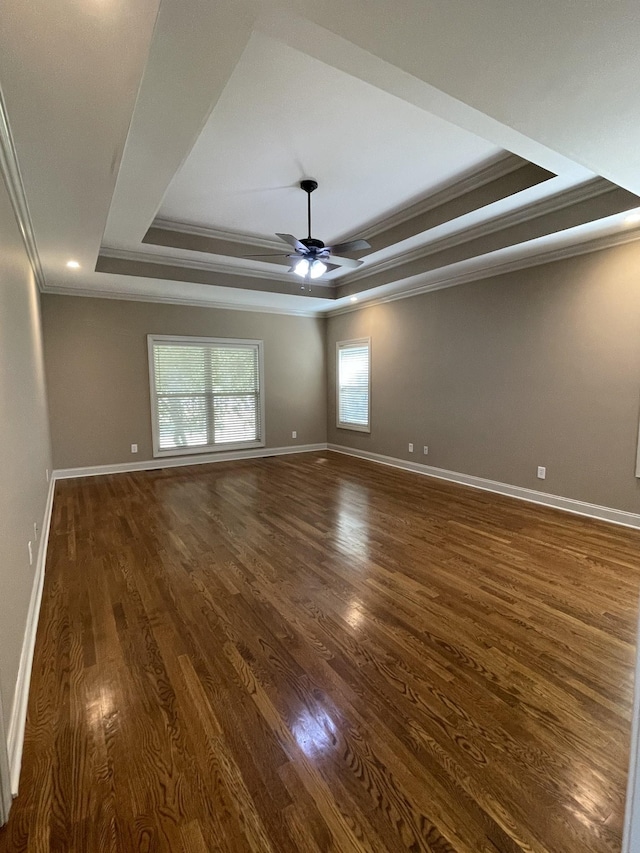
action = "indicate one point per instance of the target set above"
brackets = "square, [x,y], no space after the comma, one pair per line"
[315,653]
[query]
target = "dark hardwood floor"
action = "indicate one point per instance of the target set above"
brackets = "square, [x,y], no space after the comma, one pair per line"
[314,653]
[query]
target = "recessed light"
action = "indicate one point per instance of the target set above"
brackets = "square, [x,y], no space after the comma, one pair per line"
[73,265]
[632,218]
[354,298]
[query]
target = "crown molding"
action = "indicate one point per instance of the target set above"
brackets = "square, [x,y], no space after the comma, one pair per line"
[10,170]
[595,244]
[498,168]
[239,237]
[127,296]
[503,166]
[437,282]
[542,207]
[107,253]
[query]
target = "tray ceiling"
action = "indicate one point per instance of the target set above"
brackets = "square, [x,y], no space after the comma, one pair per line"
[159,145]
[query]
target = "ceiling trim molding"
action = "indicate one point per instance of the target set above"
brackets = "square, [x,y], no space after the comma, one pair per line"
[506,165]
[188,263]
[127,296]
[10,170]
[543,207]
[503,165]
[548,205]
[240,237]
[148,268]
[606,241]
[442,282]
[500,167]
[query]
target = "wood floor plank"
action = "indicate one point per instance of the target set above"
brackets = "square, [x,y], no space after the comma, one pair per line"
[316,653]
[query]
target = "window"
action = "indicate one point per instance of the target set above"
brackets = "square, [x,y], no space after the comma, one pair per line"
[206,394]
[353,384]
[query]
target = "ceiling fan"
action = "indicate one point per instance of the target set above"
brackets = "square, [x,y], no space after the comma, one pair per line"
[310,257]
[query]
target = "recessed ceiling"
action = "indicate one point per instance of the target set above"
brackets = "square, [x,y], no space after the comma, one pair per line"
[159,145]
[284,116]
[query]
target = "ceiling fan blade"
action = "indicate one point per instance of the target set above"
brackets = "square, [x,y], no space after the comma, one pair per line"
[344,262]
[292,241]
[269,255]
[351,246]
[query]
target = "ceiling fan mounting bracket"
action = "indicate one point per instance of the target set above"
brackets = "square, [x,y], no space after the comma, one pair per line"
[308,185]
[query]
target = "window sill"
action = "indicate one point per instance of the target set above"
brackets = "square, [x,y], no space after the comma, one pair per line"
[354,427]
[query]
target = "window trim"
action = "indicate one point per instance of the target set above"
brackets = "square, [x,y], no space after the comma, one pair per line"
[353,342]
[198,341]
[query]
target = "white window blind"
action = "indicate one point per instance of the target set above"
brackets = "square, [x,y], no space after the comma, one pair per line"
[206,394]
[353,384]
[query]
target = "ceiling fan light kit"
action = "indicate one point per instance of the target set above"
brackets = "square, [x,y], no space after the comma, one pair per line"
[314,269]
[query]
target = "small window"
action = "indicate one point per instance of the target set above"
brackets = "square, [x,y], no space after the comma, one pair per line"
[206,394]
[353,384]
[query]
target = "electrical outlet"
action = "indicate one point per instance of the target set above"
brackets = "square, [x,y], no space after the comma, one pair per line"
[410,447]
[542,472]
[134,448]
[30,549]
[35,531]
[294,434]
[425,450]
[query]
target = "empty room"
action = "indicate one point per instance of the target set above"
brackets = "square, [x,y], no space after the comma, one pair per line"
[320,406]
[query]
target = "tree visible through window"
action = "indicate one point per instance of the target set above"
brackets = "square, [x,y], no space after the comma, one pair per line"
[353,384]
[206,394]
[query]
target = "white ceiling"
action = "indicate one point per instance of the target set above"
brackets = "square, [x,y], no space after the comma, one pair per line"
[285,115]
[191,113]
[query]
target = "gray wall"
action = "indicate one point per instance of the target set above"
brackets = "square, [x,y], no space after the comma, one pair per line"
[98,377]
[537,367]
[24,443]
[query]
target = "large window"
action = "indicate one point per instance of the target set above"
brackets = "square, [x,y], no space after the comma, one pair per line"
[206,394]
[353,385]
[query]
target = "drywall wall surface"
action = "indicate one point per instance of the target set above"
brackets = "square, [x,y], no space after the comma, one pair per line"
[98,376]
[539,367]
[24,443]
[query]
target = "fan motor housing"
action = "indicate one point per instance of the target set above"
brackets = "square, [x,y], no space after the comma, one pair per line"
[312,243]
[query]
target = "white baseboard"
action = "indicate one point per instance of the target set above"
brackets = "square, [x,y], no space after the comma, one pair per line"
[6,796]
[18,719]
[180,461]
[631,827]
[603,513]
